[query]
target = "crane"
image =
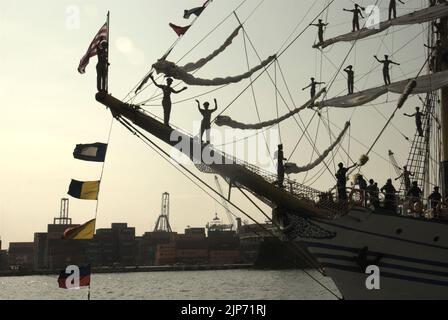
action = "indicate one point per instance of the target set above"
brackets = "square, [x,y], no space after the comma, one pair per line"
[224,203]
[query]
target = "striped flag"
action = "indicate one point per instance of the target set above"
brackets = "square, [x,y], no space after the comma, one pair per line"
[92,51]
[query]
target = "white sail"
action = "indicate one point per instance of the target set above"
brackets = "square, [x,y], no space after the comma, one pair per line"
[170,69]
[425,84]
[229,122]
[293,168]
[421,16]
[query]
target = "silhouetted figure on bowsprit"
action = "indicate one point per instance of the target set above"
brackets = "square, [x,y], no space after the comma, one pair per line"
[166,101]
[389,195]
[320,33]
[102,67]
[350,79]
[418,120]
[386,63]
[280,156]
[341,177]
[356,13]
[393,8]
[206,119]
[406,175]
[312,87]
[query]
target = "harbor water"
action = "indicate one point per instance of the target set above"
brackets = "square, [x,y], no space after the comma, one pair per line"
[179,285]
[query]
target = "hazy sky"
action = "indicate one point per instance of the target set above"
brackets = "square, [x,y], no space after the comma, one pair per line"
[47,107]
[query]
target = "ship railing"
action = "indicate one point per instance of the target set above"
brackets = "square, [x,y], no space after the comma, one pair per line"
[318,198]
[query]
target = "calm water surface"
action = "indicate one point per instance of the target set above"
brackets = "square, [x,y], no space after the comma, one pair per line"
[188,285]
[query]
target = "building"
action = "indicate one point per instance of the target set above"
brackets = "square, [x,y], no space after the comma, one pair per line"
[165,254]
[3,258]
[192,247]
[21,255]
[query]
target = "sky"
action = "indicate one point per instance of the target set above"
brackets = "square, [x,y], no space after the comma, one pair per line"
[48,107]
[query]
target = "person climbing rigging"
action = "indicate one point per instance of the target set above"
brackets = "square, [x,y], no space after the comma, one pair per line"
[341,177]
[356,13]
[418,120]
[280,156]
[320,33]
[350,78]
[102,67]
[438,56]
[406,178]
[393,8]
[166,101]
[206,119]
[386,63]
[313,86]
[389,195]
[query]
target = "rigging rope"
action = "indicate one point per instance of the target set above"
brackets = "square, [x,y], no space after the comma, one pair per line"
[137,132]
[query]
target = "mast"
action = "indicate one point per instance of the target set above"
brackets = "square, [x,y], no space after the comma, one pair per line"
[444,113]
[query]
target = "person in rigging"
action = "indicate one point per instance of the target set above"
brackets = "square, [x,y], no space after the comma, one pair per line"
[356,13]
[418,120]
[102,67]
[206,119]
[341,177]
[313,86]
[437,56]
[280,156]
[166,101]
[386,63]
[389,195]
[350,78]
[320,25]
[406,178]
[393,8]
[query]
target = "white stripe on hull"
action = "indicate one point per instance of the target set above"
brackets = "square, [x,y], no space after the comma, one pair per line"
[412,254]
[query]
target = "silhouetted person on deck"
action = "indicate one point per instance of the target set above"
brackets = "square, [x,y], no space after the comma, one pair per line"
[350,78]
[389,195]
[393,8]
[373,192]
[206,119]
[313,85]
[356,13]
[386,63]
[166,101]
[406,178]
[341,177]
[418,120]
[102,67]
[320,33]
[280,156]
[435,200]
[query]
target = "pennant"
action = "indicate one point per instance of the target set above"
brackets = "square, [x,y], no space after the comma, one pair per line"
[180,31]
[82,232]
[84,278]
[95,152]
[84,190]
[196,11]
[101,36]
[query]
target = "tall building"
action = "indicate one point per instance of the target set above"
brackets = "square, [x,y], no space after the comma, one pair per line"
[21,255]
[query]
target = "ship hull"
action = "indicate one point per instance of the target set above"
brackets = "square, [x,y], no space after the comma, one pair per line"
[411,254]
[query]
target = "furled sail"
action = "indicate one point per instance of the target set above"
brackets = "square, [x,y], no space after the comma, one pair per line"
[202,62]
[421,16]
[293,168]
[229,122]
[424,84]
[170,69]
